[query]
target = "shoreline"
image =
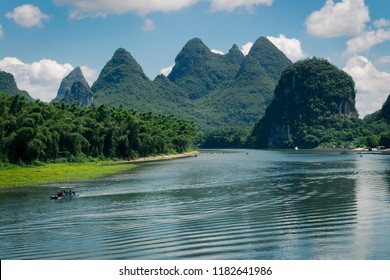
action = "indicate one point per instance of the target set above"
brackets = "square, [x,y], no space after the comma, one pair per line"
[162,157]
[60,173]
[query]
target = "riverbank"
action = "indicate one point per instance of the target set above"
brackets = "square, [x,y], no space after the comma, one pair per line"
[70,172]
[162,157]
[58,173]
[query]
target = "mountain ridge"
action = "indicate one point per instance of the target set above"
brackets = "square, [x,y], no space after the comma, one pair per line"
[213,90]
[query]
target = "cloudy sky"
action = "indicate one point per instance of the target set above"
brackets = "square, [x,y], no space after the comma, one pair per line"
[42,41]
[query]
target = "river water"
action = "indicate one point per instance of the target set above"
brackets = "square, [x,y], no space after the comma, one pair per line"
[227,204]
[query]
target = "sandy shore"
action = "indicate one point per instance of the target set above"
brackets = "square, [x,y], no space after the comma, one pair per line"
[162,157]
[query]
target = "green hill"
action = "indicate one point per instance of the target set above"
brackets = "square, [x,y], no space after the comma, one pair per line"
[210,89]
[198,71]
[73,88]
[8,85]
[314,104]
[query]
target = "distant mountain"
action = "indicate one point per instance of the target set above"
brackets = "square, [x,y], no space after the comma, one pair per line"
[312,99]
[123,82]
[269,58]
[73,88]
[198,71]
[210,89]
[8,85]
[231,89]
[242,100]
[385,111]
[381,115]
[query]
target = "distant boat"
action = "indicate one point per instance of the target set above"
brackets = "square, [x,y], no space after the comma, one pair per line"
[296,148]
[64,193]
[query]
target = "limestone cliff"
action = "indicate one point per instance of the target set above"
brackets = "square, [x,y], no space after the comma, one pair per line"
[311,97]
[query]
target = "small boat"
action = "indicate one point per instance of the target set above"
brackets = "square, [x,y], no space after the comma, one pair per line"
[65,193]
[296,148]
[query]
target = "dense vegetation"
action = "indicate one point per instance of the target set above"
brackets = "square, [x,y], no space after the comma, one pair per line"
[35,131]
[307,104]
[210,89]
[225,137]
[314,105]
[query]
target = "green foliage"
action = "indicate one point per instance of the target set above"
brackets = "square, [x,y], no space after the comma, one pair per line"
[35,131]
[198,71]
[210,89]
[43,173]
[314,105]
[384,139]
[226,137]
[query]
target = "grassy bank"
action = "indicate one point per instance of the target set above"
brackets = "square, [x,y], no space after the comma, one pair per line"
[59,173]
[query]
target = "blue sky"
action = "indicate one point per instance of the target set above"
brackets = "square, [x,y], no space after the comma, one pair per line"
[41,41]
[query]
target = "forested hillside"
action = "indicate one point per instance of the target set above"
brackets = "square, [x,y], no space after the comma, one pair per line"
[35,131]
[314,105]
[213,90]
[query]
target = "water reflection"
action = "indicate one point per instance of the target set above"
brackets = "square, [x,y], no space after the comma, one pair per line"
[260,205]
[373,221]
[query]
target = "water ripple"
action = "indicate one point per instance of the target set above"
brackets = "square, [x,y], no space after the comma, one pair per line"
[264,205]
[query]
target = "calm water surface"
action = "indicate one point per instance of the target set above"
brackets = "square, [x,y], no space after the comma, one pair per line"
[233,204]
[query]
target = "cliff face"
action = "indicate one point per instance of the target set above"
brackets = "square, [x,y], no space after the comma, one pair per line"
[8,85]
[74,88]
[311,97]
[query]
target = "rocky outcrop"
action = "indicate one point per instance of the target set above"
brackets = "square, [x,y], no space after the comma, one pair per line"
[8,85]
[311,97]
[74,88]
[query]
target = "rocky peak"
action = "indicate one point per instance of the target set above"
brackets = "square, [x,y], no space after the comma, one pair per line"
[73,88]
[122,57]
[269,57]
[235,55]
[122,67]
[193,55]
[8,85]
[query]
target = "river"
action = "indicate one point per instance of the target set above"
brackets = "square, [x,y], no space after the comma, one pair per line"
[223,204]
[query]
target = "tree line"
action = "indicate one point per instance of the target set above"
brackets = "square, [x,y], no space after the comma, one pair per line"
[36,131]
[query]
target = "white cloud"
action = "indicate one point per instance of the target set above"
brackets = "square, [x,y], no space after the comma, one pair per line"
[166,71]
[28,16]
[217,51]
[384,60]
[148,25]
[290,47]
[366,40]
[95,8]
[82,8]
[228,5]
[1,32]
[90,74]
[373,86]
[381,23]
[246,48]
[347,17]
[43,78]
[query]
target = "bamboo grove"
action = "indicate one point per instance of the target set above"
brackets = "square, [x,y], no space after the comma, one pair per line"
[36,131]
